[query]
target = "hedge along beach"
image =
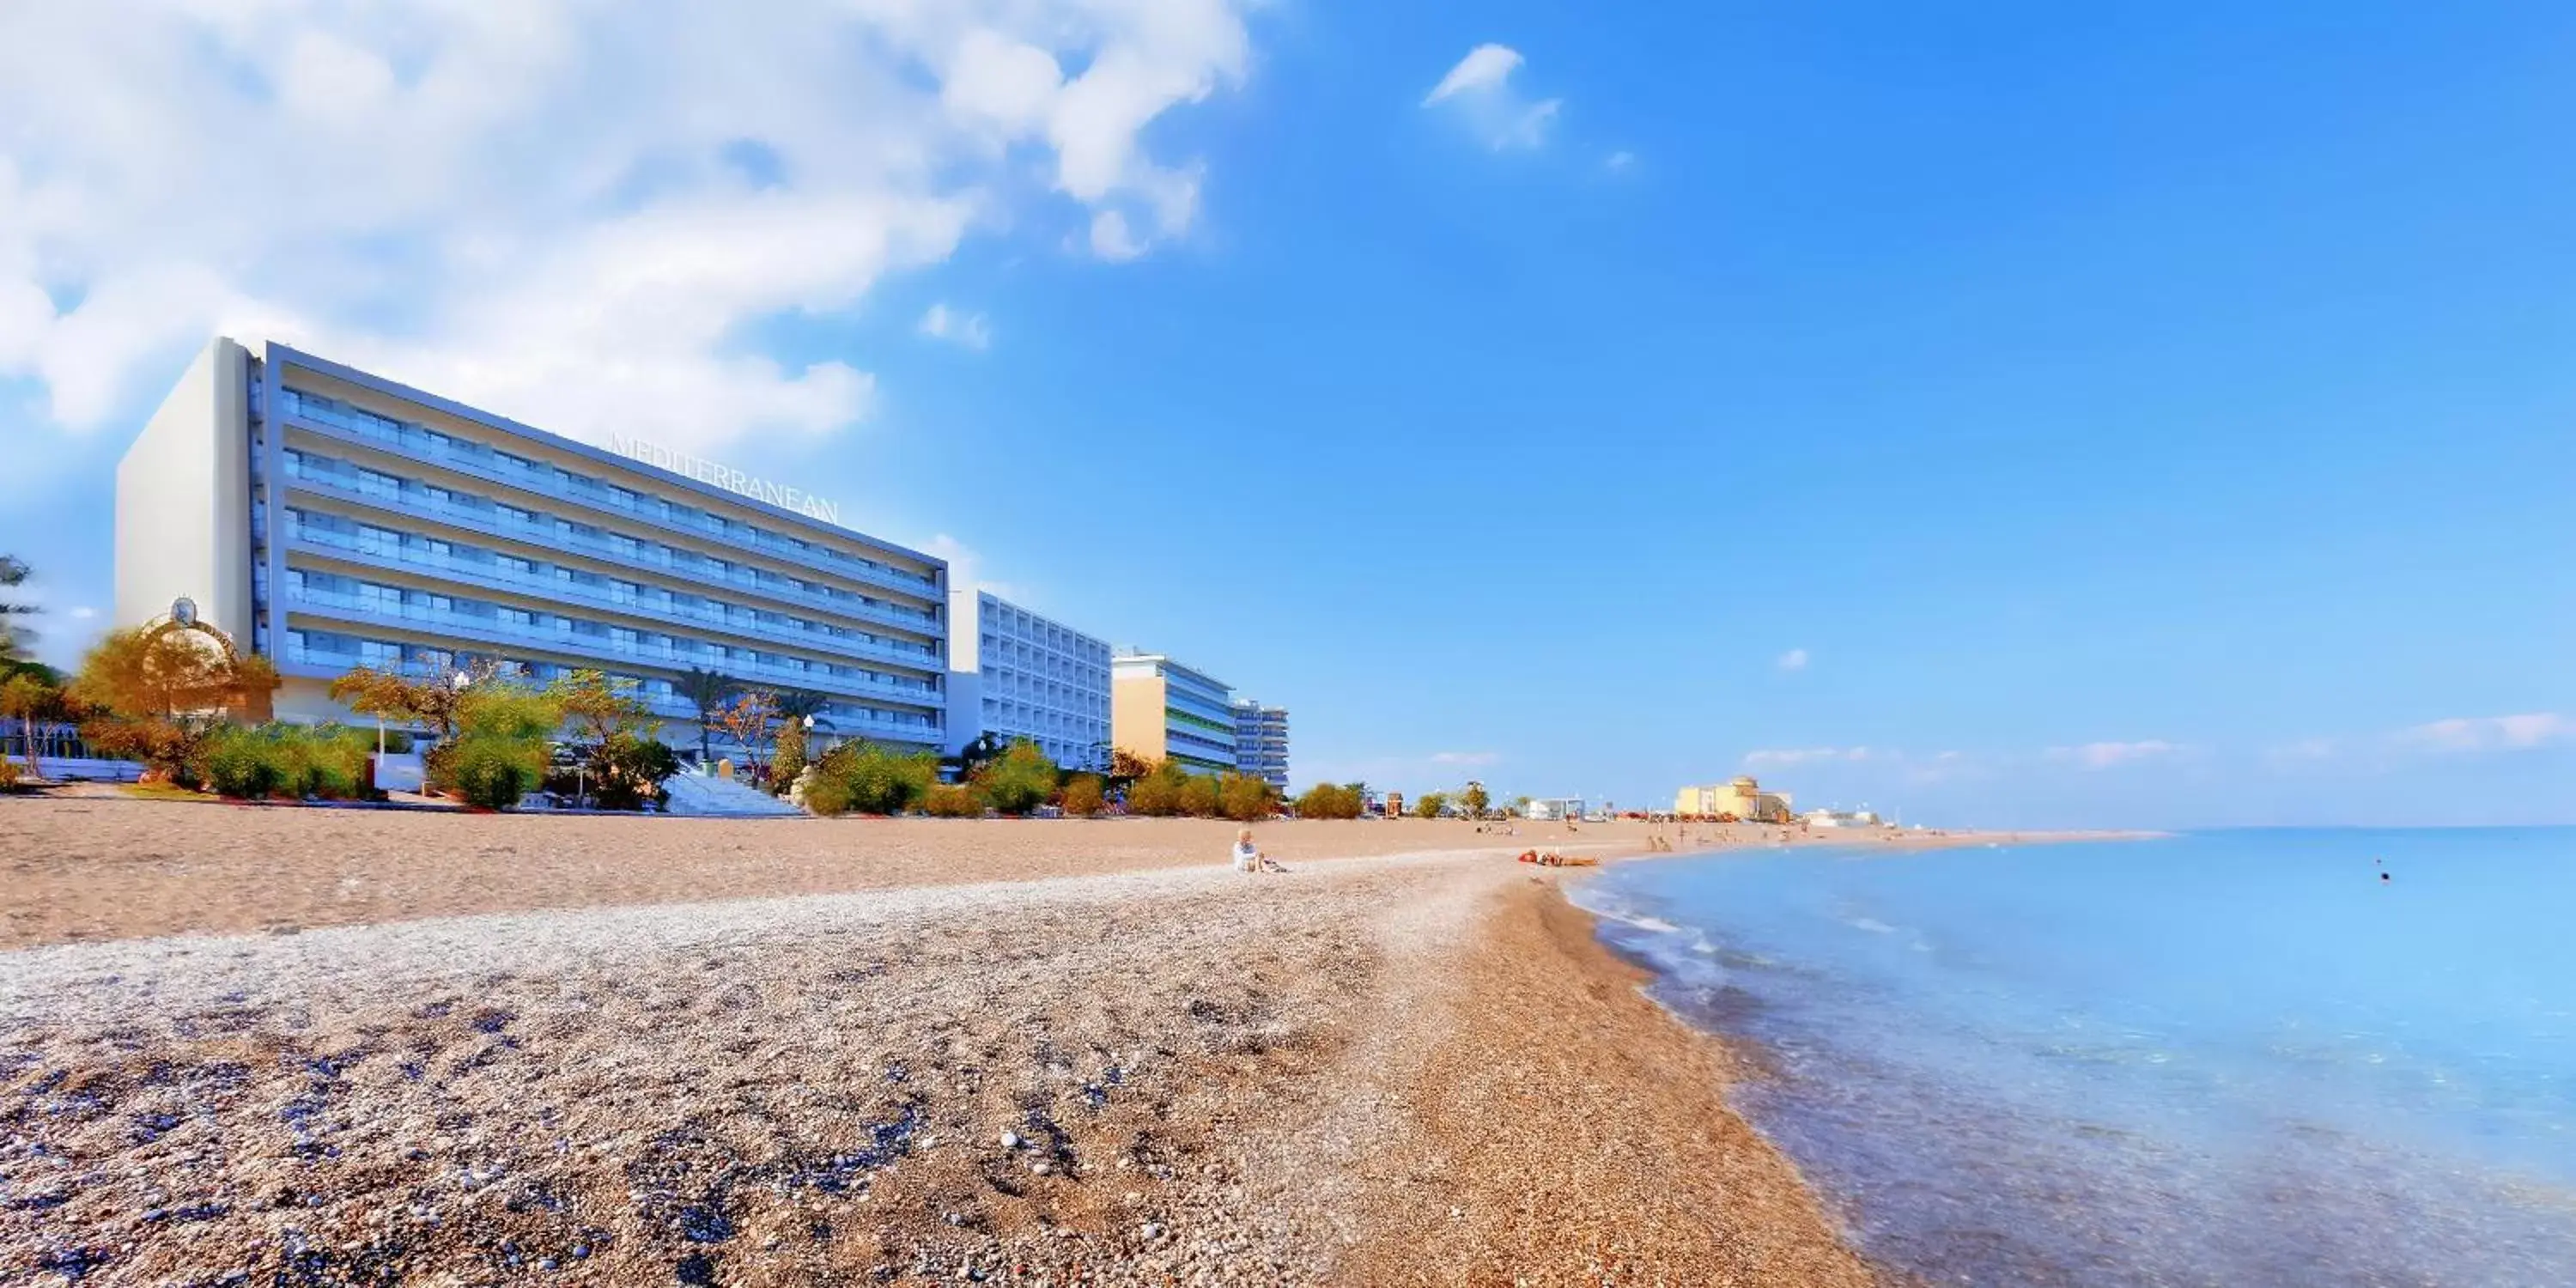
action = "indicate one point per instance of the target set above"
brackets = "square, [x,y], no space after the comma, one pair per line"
[430,1047]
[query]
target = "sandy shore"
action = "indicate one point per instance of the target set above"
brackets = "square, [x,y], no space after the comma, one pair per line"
[655,1051]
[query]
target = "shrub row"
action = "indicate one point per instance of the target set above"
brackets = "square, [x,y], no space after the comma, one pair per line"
[256,762]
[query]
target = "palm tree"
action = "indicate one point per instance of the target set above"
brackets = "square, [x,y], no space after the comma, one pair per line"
[14,637]
[796,704]
[708,691]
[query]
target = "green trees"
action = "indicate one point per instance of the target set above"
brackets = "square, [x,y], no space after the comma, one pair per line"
[865,778]
[1244,798]
[952,800]
[14,635]
[629,770]
[156,694]
[1158,793]
[1082,796]
[27,698]
[256,762]
[619,763]
[795,707]
[1327,800]
[751,720]
[499,752]
[1475,801]
[1017,781]
[707,691]
[1432,805]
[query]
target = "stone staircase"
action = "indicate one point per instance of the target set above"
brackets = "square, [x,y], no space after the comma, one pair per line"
[707,796]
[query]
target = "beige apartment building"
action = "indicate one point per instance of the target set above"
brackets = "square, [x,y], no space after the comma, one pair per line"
[1161,710]
[1742,798]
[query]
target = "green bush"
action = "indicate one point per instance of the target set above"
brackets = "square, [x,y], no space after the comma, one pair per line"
[952,800]
[1019,781]
[499,753]
[1082,796]
[1158,794]
[631,771]
[327,761]
[1199,796]
[870,779]
[1324,800]
[492,771]
[827,795]
[8,774]
[1244,798]
[244,764]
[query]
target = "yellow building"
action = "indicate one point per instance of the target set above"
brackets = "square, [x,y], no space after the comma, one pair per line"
[1161,710]
[1744,799]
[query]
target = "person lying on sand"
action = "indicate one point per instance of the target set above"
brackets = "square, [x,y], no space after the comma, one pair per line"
[1248,858]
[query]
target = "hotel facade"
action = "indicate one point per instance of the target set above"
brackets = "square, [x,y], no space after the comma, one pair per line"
[1019,675]
[328,519]
[1161,710]
[1261,743]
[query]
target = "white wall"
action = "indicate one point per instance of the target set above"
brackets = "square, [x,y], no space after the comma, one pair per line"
[183,500]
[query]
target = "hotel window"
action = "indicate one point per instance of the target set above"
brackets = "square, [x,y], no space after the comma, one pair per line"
[518,617]
[513,514]
[377,653]
[515,564]
[622,497]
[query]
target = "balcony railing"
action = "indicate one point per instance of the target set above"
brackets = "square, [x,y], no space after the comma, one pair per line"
[492,521]
[491,574]
[558,636]
[467,457]
[845,721]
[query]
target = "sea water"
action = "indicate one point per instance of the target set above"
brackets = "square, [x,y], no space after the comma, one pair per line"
[2224,1058]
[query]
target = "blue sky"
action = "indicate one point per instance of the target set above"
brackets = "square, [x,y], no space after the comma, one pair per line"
[1998,412]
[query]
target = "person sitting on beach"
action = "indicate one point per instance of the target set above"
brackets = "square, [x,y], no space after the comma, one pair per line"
[1249,858]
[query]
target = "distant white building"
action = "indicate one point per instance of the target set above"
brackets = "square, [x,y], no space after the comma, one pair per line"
[1549,809]
[1019,675]
[1837,818]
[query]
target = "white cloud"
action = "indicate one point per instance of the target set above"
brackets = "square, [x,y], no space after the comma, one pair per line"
[83,613]
[1110,239]
[1619,160]
[1465,758]
[2492,733]
[1793,660]
[2106,755]
[569,212]
[1480,92]
[968,329]
[1486,67]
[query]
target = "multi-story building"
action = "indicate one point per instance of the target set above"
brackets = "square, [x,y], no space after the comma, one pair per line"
[328,519]
[1018,675]
[1743,800]
[1161,710]
[1261,742]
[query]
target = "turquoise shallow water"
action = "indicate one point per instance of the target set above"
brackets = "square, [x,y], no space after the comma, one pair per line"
[2221,1058]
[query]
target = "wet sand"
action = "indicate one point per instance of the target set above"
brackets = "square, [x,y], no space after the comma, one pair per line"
[656,1051]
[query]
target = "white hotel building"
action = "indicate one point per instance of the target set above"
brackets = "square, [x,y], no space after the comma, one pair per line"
[1019,675]
[329,519]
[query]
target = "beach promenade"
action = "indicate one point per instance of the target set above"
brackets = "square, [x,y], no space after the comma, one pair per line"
[354,1046]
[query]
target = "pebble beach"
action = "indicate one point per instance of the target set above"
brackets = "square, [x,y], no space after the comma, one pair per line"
[332,1046]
